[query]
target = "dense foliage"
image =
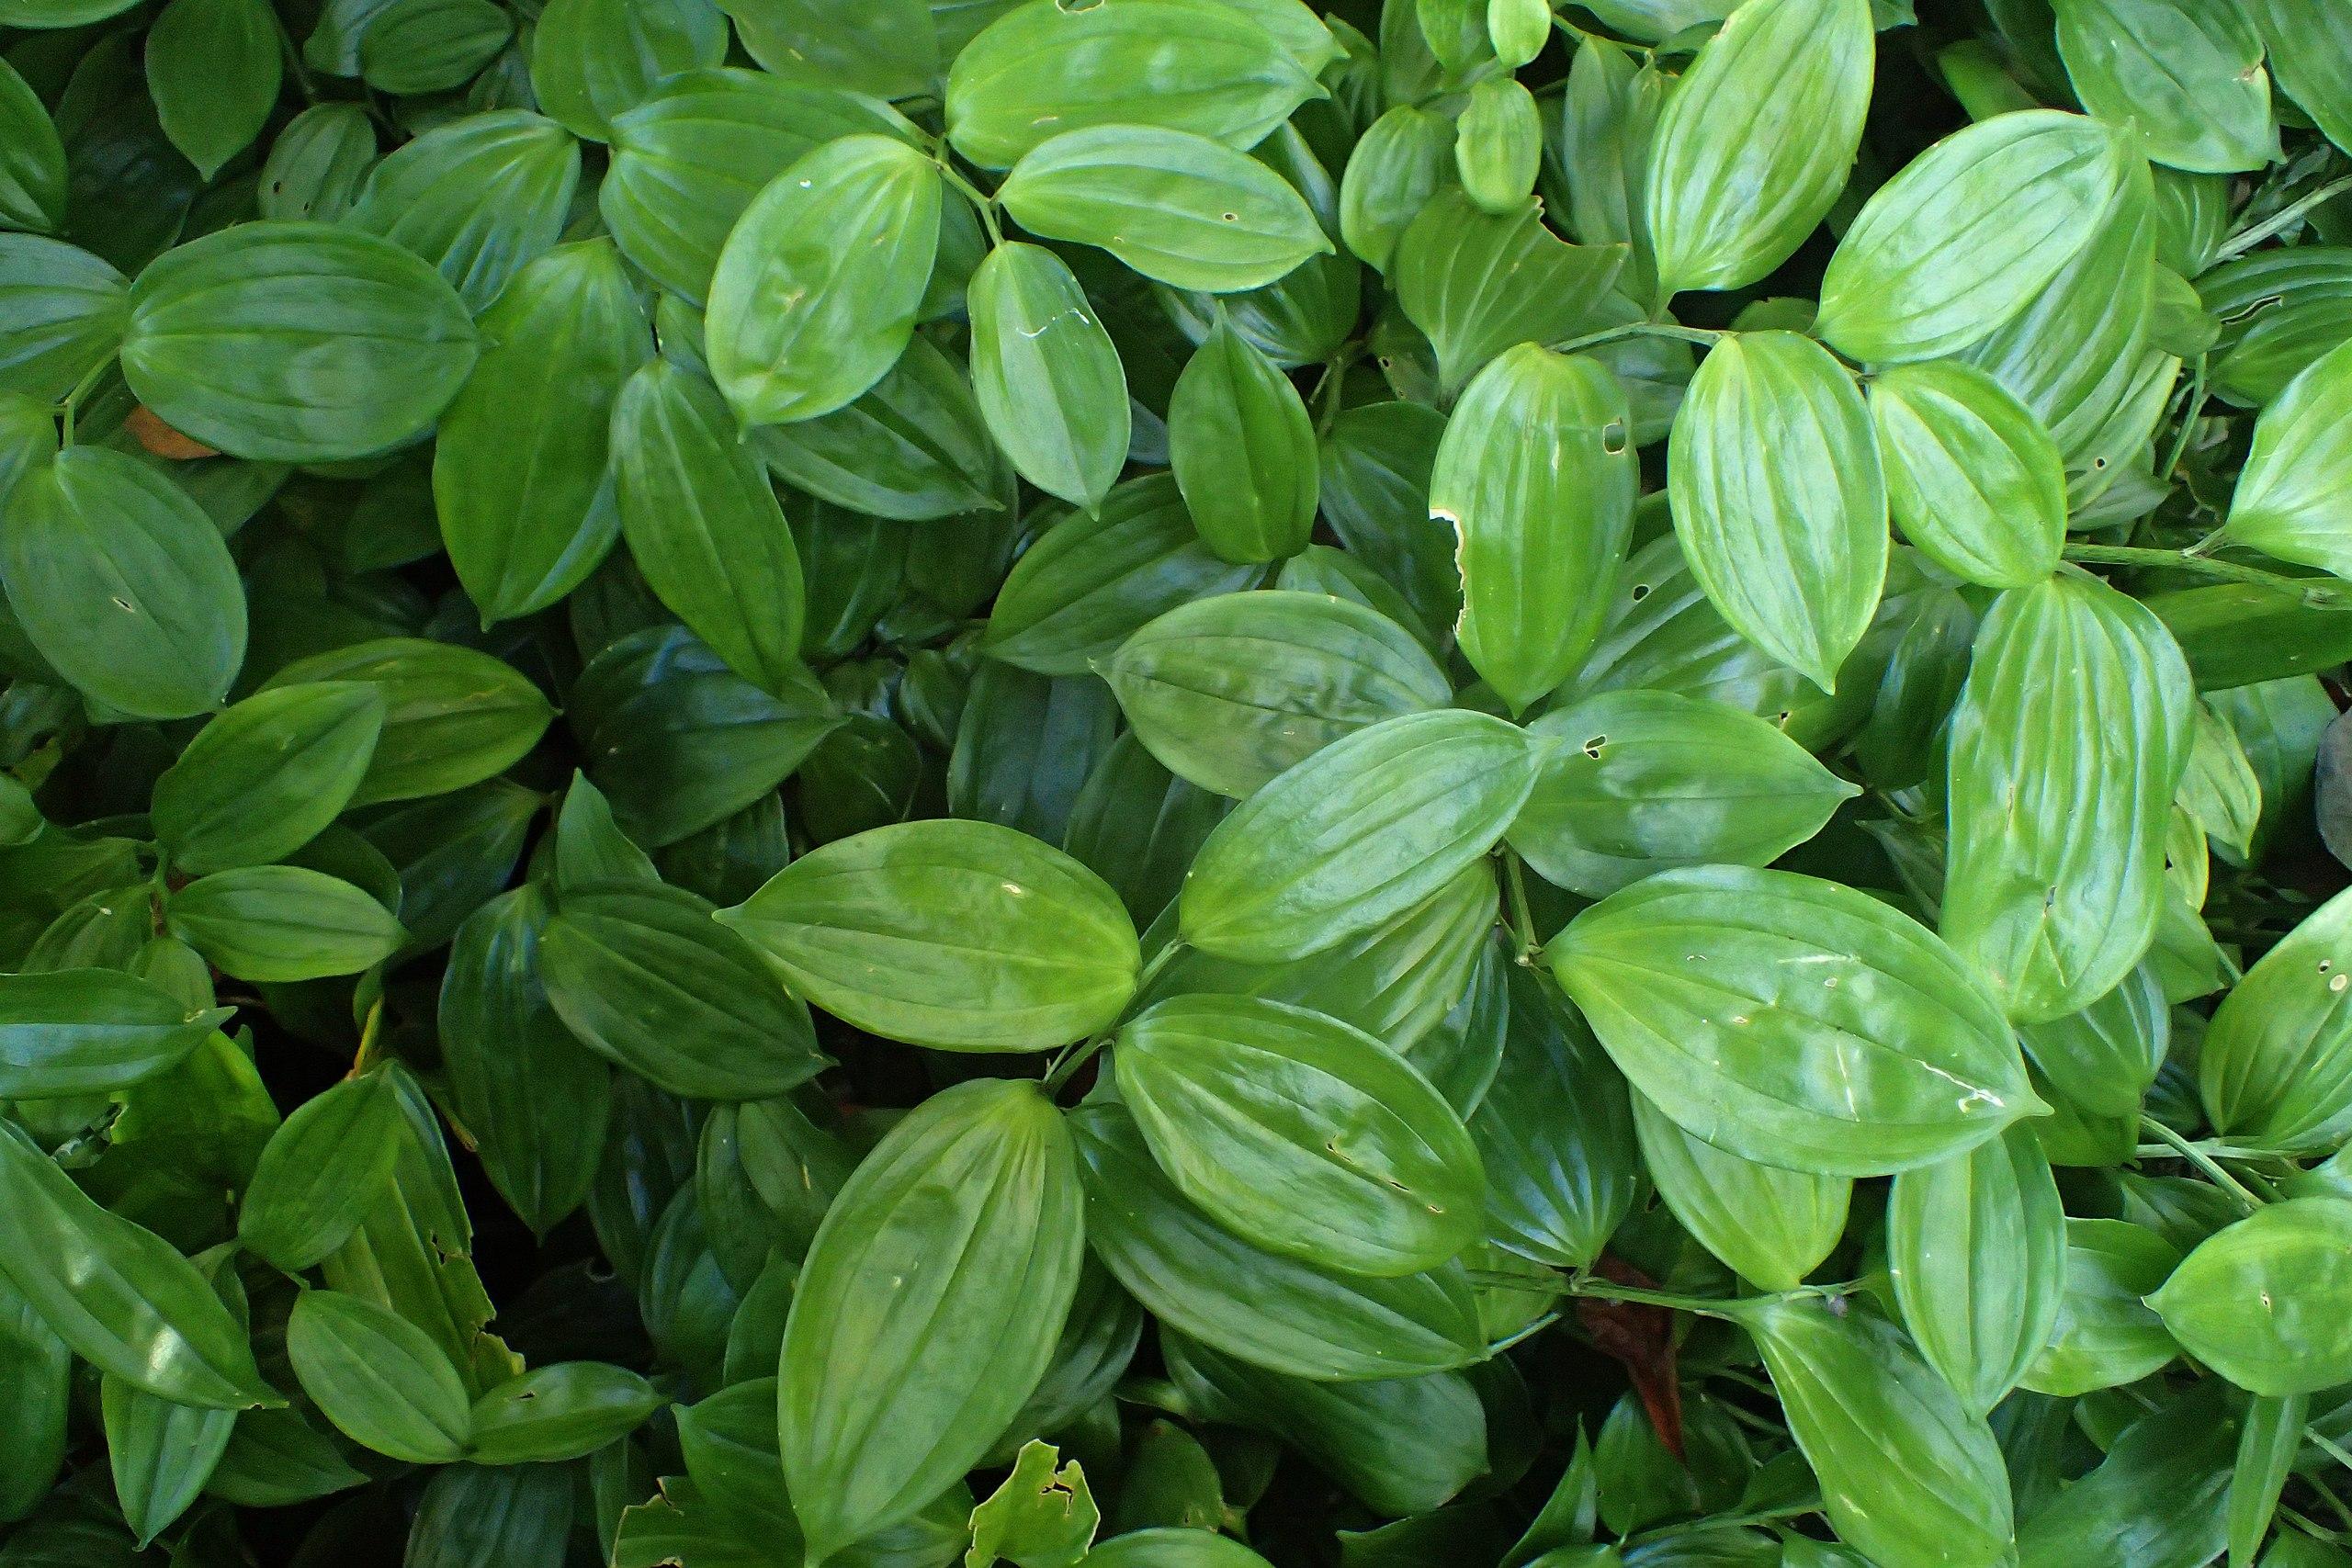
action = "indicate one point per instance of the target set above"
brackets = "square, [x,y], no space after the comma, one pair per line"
[1185,783]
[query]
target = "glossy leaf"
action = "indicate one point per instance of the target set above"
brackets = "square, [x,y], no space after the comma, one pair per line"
[120,1296]
[1793,1021]
[961,935]
[795,329]
[1649,781]
[2057,830]
[1976,1244]
[320,1173]
[1971,477]
[1968,232]
[1175,206]
[299,342]
[1779,501]
[122,583]
[921,1325]
[2298,471]
[1537,478]
[1046,375]
[268,774]
[1301,1134]
[1362,830]
[519,464]
[2262,1302]
[1242,448]
[1758,140]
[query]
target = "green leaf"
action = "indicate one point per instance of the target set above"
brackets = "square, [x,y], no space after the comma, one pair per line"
[1077,594]
[519,464]
[1176,207]
[2184,74]
[704,524]
[913,447]
[298,341]
[1969,232]
[536,1101]
[480,198]
[1301,1134]
[1264,1307]
[592,59]
[1040,1516]
[2311,54]
[453,716]
[2104,1336]
[1478,283]
[1758,140]
[1793,1022]
[816,292]
[320,1173]
[2057,866]
[75,1031]
[959,935]
[1498,145]
[2300,470]
[317,163]
[929,1307]
[1046,375]
[32,158]
[1537,477]
[2275,1064]
[213,68]
[282,922]
[1770,1226]
[1649,781]
[61,315]
[120,1296]
[643,974]
[680,743]
[122,583]
[1170,1546]
[2158,1497]
[160,1454]
[430,46]
[377,1377]
[1976,1244]
[1908,1476]
[1779,501]
[1242,446]
[565,1410]
[1344,1428]
[2264,1301]
[1397,981]
[1201,66]
[2269,1444]
[1971,477]
[689,158]
[888,50]
[1231,690]
[1401,162]
[267,775]
[1555,1134]
[1359,832]
[2104,1058]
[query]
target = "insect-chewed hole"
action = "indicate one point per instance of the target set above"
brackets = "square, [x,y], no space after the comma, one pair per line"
[1612,438]
[1592,747]
[1641,592]
[1230,217]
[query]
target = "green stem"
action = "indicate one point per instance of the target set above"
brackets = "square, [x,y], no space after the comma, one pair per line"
[1495,1347]
[294,63]
[1061,1072]
[2204,1162]
[2217,1150]
[985,203]
[2329,1447]
[1523,921]
[1607,1291]
[1702,335]
[71,404]
[2313,590]
[2188,415]
[2246,239]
